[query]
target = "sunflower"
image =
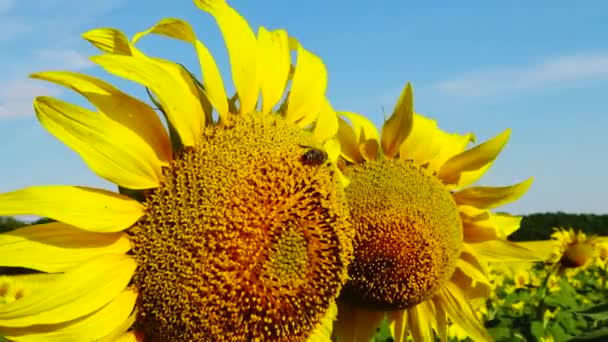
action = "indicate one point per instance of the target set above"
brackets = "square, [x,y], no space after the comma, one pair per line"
[229,224]
[571,249]
[423,237]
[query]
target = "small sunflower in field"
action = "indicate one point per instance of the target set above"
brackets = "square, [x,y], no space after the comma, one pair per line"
[232,225]
[572,249]
[423,237]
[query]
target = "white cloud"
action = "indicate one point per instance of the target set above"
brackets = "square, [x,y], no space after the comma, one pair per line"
[16,97]
[63,59]
[41,35]
[555,71]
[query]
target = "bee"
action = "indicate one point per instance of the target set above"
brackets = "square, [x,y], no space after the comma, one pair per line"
[313,156]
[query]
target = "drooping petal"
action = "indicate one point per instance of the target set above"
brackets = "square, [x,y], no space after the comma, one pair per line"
[111,150]
[56,247]
[308,86]
[118,106]
[500,250]
[172,85]
[326,125]
[441,318]
[90,209]
[356,324]
[71,295]
[274,61]
[471,267]
[459,310]
[111,41]
[465,168]
[397,324]
[242,50]
[212,78]
[398,126]
[421,321]
[349,145]
[89,328]
[362,126]
[491,197]
[543,248]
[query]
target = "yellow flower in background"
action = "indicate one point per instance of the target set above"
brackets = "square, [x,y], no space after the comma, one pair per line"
[572,249]
[234,228]
[423,236]
[521,279]
[553,283]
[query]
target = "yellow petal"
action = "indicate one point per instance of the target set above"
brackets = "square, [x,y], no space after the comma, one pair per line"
[480,224]
[111,41]
[89,328]
[543,249]
[441,318]
[172,85]
[76,293]
[450,144]
[491,197]
[362,126]
[212,78]
[308,86]
[397,324]
[355,324]
[499,250]
[398,126]
[459,310]
[120,332]
[274,61]
[242,50]
[349,145]
[326,126]
[471,266]
[55,247]
[86,208]
[110,149]
[421,144]
[369,149]
[322,332]
[332,147]
[118,106]
[507,224]
[467,167]
[421,321]
[131,336]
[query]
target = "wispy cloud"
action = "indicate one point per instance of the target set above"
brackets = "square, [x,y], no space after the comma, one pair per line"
[555,71]
[38,36]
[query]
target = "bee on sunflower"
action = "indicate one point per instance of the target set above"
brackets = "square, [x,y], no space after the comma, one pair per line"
[220,230]
[423,235]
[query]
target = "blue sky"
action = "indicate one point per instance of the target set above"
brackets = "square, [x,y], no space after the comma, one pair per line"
[540,68]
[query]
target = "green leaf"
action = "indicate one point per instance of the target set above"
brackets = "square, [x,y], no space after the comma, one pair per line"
[537,329]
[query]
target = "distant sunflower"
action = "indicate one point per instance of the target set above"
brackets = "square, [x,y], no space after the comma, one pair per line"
[232,228]
[423,237]
[573,249]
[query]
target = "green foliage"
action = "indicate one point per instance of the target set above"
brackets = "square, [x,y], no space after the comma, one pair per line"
[567,306]
[539,226]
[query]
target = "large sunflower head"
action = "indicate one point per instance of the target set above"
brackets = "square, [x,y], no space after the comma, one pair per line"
[423,235]
[231,228]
